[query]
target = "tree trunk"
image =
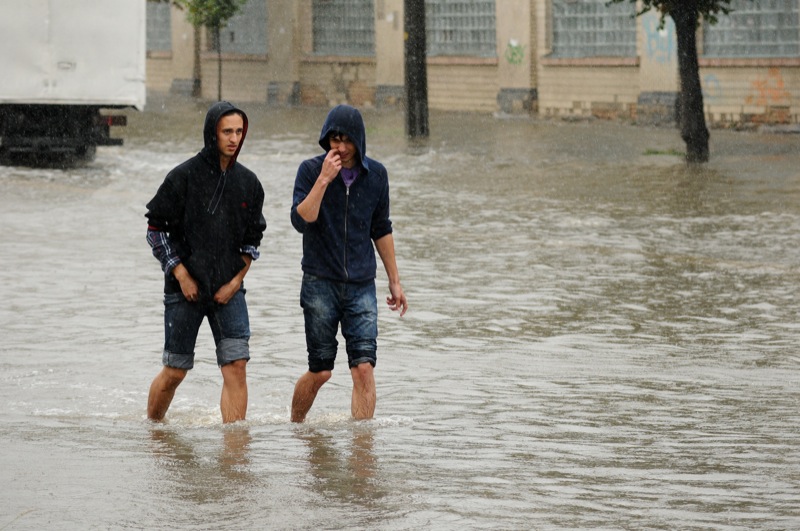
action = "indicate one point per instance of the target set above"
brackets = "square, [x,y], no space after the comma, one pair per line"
[197,89]
[692,118]
[219,63]
[416,74]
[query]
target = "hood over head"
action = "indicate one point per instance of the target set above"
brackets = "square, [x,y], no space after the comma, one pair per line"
[215,112]
[347,120]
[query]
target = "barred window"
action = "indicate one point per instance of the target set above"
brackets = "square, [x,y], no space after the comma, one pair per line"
[343,27]
[246,31]
[460,27]
[159,34]
[593,28]
[768,28]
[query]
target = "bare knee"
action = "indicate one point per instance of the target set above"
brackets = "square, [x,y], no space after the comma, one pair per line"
[311,382]
[236,370]
[319,378]
[172,377]
[363,372]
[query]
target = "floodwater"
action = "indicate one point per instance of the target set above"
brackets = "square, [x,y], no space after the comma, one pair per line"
[599,337]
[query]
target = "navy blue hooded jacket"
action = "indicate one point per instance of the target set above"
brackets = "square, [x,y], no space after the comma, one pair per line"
[338,245]
[209,214]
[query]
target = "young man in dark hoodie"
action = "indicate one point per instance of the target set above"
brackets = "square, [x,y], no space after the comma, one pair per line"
[341,206]
[205,225]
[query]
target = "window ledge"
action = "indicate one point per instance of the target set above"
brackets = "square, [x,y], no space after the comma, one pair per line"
[235,56]
[748,62]
[589,61]
[338,59]
[461,60]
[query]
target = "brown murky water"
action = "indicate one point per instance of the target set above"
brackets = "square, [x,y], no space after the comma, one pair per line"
[598,339]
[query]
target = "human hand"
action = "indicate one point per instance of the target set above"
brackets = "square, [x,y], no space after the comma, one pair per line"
[397,300]
[227,291]
[188,285]
[330,166]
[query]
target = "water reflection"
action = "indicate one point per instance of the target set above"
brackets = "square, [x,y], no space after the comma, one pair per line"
[192,475]
[343,464]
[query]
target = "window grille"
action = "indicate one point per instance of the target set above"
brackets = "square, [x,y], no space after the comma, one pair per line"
[767,28]
[593,28]
[159,33]
[344,27]
[460,27]
[246,31]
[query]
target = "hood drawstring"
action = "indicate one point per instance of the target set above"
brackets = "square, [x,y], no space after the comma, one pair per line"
[212,206]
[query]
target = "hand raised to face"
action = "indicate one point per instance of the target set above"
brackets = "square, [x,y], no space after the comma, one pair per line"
[331,166]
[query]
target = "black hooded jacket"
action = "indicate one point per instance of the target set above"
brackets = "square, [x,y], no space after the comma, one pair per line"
[209,214]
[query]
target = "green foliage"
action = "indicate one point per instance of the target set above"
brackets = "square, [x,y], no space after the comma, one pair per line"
[212,14]
[708,9]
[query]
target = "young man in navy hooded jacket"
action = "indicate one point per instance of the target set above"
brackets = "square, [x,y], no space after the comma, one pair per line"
[205,225]
[341,206]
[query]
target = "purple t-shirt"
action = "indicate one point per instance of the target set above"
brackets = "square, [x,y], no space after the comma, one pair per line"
[349,174]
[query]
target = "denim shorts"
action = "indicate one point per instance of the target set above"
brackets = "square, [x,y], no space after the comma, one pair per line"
[327,304]
[229,323]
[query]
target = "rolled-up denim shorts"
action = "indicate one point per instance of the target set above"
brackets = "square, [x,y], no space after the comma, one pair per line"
[229,323]
[327,304]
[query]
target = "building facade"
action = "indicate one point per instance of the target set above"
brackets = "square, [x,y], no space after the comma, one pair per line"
[568,58]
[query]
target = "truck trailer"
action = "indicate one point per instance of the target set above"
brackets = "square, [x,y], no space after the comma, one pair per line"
[68,66]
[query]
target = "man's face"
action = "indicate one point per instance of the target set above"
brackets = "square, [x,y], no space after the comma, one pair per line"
[347,151]
[229,134]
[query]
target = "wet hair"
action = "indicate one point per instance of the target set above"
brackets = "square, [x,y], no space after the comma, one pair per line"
[232,111]
[338,135]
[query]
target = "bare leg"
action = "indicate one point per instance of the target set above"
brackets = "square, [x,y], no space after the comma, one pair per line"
[162,390]
[233,402]
[305,391]
[364,394]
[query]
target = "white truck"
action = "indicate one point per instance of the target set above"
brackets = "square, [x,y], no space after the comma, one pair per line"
[65,64]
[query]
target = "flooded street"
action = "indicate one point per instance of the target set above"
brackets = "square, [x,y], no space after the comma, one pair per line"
[599,337]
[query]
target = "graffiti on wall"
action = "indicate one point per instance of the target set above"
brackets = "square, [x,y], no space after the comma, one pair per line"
[660,43]
[768,89]
[515,52]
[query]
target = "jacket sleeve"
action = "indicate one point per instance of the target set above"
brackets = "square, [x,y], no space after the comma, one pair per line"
[381,223]
[303,183]
[254,231]
[165,210]
[162,219]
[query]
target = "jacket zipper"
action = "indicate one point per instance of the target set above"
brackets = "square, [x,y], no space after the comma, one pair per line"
[221,180]
[346,206]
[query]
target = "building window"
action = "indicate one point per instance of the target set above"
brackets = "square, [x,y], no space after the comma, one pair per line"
[159,34]
[769,28]
[246,31]
[460,27]
[593,28]
[343,27]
